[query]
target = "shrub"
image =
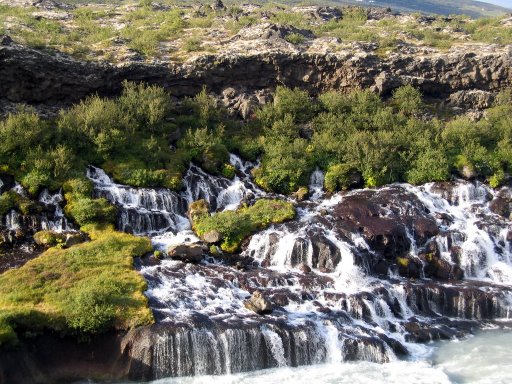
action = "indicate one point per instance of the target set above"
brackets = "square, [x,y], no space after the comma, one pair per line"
[339,177]
[407,100]
[430,165]
[295,38]
[89,211]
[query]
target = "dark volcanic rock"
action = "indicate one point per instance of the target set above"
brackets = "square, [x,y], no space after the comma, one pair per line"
[37,77]
[386,218]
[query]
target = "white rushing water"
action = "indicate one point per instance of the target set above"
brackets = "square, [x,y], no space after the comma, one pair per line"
[347,308]
[483,359]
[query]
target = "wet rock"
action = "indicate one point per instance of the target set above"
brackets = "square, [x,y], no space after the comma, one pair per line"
[326,255]
[409,267]
[502,203]
[304,268]
[258,303]
[191,253]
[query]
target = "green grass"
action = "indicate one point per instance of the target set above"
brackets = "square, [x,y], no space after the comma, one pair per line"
[235,226]
[85,289]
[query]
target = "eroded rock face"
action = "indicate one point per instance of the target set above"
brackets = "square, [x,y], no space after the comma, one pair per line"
[388,219]
[39,78]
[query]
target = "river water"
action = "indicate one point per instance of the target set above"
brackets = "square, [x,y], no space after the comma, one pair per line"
[485,358]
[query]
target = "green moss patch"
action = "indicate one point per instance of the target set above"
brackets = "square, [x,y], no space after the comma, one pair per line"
[86,289]
[235,226]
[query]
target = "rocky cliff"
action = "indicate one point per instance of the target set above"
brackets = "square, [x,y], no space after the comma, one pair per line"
[467,75]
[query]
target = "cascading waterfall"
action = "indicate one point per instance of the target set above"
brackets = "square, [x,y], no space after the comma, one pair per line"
[51,217]
[348,307]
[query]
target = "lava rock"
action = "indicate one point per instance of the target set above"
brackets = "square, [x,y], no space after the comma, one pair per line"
[304,268]
[189,253]
[258,303]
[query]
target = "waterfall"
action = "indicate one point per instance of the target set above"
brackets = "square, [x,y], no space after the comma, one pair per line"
[316,185]
[334,283]
[143,211]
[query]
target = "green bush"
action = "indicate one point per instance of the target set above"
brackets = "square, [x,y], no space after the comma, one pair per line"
[295,38]
[90,211]
[338,177]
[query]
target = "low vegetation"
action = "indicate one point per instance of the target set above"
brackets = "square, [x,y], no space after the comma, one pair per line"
[85,289]
[135,29]
[235,226]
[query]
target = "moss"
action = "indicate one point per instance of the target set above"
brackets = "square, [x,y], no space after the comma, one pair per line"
[228,171]
[235,226]
[198,209]
[11,200]
[87,288]
[49,238]
[402,262]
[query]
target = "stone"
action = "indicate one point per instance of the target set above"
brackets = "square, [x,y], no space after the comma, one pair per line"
[304,268]
[258,303]
[212,237]
[75,238]
[188,253]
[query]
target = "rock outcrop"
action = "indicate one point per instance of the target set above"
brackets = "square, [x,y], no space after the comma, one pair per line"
[255,67]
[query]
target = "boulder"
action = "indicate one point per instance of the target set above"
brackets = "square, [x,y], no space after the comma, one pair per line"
[502,203]
[49,238]
[75,238]
[189,253]
[258,303]
[212,236]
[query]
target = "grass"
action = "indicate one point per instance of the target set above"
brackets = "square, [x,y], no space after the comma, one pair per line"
[235,226]
[85,289]
[91,31]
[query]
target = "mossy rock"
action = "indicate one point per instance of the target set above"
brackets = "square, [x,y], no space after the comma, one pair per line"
[301,194]
[197,210]
[49,238]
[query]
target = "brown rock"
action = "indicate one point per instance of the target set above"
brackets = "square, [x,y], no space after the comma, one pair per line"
[258,303]
[212,237]
[191,253]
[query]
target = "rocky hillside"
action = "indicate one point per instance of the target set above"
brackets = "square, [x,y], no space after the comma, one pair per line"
[244,64]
